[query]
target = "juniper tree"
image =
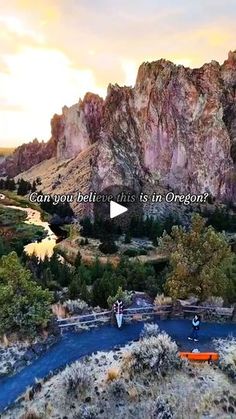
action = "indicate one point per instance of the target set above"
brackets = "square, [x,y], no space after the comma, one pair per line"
[198,260]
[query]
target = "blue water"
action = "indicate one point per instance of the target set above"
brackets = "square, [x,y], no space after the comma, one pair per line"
[73,346]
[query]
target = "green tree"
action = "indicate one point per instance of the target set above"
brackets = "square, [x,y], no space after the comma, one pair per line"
[127,238]
[84,293]
[10,184]
[104,287]
[77,260]
[23,187]
[231,274]
[34,186]
[25,306]
[198,260]
[74,289]
[120,294]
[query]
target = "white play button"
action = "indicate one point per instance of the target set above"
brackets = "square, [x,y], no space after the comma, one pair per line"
[116,209]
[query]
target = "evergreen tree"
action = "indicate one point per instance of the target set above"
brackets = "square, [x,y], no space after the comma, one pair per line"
[198,259]
[10,184]
[231,275]
[23,187]
[25,307]
[77,262]
[34,187]
[84,293]
[74,289]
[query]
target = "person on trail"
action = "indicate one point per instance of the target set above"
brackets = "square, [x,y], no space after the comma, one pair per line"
[118,310]
[195,328]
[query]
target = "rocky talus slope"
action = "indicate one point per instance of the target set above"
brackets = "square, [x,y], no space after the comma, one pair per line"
[176,126]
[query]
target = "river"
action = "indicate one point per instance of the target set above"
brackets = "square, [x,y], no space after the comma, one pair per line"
[47,245]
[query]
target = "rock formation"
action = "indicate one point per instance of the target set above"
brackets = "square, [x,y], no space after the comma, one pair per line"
[176,126]
[26,156]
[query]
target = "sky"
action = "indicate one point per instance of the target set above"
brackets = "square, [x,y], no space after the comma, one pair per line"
[53,51]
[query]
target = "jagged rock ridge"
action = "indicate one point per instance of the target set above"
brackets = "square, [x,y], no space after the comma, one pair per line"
[176,126]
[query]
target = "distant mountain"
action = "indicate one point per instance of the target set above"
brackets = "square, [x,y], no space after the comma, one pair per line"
[5,152]
[176,126]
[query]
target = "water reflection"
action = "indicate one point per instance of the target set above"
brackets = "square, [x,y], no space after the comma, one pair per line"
[45,246]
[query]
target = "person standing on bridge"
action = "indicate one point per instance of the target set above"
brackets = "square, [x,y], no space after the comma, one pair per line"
[118,310]
[195,328]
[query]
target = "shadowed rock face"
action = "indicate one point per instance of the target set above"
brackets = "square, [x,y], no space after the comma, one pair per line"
[26,156]
[176,125]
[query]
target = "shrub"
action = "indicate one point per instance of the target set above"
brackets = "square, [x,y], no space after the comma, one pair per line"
[31,414]
[108,247]
[162,300]
[150,329]
[214,302]
[156,354]
[130,252]
[133,393]
[113,374]
[127,239]
[142,252]
[76,376]
[84,242]
[87,412]
[162,410]
[76,306]
[227,351]
[117,389]
[122,295]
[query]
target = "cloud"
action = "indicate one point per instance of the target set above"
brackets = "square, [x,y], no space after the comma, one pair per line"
[52,51]
[15,26]
[38,83]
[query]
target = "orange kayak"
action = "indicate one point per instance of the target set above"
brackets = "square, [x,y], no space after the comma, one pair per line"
[200,356]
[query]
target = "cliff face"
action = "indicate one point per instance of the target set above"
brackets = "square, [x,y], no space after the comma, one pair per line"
[78,127]
[27,156]
[177,125]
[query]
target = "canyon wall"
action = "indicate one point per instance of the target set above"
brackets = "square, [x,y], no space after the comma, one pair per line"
[176,126]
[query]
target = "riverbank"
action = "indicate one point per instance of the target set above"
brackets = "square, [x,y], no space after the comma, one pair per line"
[12,199]
[15,232]
[143,378]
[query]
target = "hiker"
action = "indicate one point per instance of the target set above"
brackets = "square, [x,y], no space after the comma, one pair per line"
[118,310]
[196,327]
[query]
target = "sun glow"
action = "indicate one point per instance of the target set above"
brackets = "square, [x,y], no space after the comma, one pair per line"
[53,52]
[40,81]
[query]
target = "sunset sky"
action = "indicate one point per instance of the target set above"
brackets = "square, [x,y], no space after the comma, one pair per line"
[53,51]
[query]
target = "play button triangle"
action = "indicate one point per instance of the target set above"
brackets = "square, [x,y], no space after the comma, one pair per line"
[116,209]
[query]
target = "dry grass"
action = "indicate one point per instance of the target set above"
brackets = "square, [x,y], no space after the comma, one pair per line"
[31,414]
[133,393]
[76,377]
[227,352]
[113,374]
[161,300]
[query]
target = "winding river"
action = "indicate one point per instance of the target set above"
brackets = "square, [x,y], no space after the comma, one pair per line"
[46,245]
